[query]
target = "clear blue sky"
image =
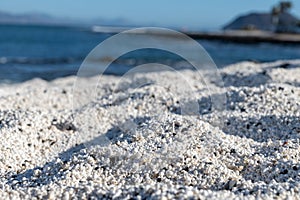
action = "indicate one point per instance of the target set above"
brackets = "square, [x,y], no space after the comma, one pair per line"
[201,14]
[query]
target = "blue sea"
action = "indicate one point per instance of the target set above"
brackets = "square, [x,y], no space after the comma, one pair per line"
[49,52]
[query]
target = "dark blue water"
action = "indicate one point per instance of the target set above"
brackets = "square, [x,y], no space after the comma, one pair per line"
[50,52]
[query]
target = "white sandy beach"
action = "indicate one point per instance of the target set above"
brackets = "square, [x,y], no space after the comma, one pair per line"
[131,141]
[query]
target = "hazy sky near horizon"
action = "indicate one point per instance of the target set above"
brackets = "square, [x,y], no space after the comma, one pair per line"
[210,14]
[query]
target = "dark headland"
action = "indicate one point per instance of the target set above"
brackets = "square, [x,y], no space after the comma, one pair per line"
[276,26]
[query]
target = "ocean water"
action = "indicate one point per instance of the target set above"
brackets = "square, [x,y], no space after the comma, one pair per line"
[50,52]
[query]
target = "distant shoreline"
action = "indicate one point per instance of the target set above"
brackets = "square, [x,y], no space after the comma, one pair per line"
[248,36]
[238,36]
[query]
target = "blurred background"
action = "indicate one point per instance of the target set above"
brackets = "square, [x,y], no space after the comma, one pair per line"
[50,39]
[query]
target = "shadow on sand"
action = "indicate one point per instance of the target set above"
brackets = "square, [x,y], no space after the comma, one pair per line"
[240,80]
[264,128]
[54,170]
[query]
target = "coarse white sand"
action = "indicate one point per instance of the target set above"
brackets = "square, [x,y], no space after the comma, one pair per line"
[131,140]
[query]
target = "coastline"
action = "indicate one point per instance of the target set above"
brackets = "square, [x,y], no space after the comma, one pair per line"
[255,154]
[238,36]
[248,37]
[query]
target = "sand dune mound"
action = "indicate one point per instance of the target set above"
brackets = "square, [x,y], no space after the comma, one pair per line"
[128,137]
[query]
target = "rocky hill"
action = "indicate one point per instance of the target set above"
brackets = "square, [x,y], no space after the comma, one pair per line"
[264,21]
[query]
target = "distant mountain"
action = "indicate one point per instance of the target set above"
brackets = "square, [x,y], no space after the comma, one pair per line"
[32,18]
[40,18]
[263,21]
